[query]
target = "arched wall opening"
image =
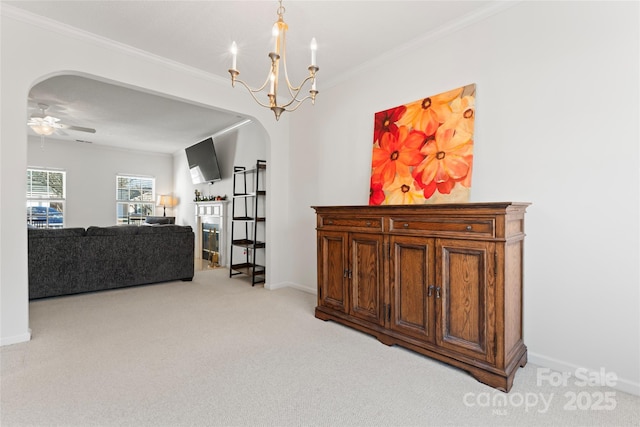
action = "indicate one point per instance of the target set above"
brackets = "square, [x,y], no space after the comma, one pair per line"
[61,50]
[90,168]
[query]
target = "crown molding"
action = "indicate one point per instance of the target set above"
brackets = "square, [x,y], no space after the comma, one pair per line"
[448,28]
[78,34]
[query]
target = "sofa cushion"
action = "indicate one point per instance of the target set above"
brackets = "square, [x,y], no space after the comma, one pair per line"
[165,228]
[50,233]
[116,230]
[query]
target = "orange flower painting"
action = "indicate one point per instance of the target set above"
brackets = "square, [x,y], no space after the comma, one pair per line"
[423,151]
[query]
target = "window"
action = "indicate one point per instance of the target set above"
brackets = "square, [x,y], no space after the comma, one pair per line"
[134,198]
[46,198]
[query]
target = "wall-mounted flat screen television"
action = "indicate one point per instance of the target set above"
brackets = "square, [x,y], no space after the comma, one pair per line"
[203,162]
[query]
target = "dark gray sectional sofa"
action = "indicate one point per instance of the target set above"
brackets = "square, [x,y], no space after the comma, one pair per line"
[74,260]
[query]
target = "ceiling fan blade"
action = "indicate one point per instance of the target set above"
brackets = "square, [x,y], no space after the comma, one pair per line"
[78,128]
[54,122]
[51,119]
[37,121]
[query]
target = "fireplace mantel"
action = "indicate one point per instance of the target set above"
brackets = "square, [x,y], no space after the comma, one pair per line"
[212,212]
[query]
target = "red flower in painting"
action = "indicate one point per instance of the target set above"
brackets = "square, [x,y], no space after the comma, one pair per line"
[396,153]
[376,194]
[430,188]
[448,159]
[385,121]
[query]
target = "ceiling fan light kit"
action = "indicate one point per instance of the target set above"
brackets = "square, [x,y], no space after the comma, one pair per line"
[273,78]
[42,129]
[45,125]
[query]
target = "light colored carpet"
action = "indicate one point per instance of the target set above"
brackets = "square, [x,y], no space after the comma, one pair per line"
[218,352]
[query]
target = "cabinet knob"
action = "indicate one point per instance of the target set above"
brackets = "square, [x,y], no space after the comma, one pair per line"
[330,222]
[469,228]
[430,291]
[405,225]
[438,292]
[368,223]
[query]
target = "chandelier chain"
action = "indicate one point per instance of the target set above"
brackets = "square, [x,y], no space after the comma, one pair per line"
[281,9]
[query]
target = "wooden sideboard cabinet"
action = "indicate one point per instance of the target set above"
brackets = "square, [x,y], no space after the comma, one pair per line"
[443,280]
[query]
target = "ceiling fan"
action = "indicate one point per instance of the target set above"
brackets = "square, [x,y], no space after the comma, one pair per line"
[43,124]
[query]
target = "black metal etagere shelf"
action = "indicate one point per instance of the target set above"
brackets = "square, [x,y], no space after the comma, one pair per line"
[247,223]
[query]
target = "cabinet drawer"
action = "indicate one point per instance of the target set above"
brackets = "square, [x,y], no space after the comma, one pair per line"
[443,226]
[349,222]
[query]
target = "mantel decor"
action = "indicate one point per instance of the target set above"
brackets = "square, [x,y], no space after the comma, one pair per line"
[423,151]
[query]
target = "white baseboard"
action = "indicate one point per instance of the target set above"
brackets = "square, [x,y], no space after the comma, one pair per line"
[15,339]
[297,286]
[621,384]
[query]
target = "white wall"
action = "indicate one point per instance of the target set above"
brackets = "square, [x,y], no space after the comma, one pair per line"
[556,125]
[65,51]
[90,181]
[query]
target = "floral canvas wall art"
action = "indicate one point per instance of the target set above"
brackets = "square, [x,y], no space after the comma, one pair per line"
[423,151]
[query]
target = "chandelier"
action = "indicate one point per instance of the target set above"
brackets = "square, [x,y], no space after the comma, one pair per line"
[273,78]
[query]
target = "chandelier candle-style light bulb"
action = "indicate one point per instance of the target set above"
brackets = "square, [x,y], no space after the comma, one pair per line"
[272,87]
[279,31]
[234,55]
[314,49]
[275,33]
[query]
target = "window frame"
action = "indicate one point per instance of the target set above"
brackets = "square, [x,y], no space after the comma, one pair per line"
[47,199]
[137,209]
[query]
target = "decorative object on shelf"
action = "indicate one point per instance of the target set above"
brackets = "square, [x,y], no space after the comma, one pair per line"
[200,198]
[423,151]
[164,201]
[273,78]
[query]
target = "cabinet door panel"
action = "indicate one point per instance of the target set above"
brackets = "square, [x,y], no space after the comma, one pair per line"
[412,303]
[467,314]
[332,265]
[366,277]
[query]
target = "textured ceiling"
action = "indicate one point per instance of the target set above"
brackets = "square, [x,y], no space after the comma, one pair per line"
[350,34]
[124,117]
